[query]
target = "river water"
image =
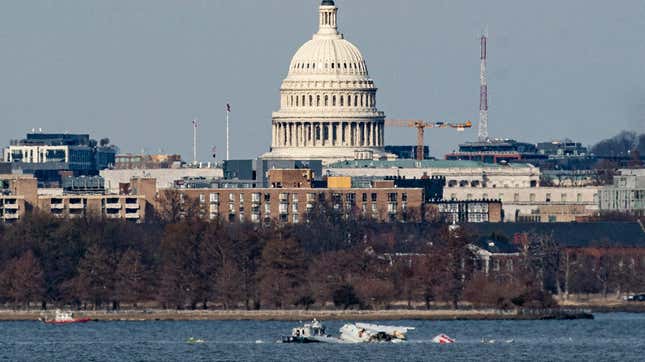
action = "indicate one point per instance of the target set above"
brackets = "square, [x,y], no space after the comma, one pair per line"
[609,337]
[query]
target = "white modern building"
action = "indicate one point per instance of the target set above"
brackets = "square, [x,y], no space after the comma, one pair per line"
[165,176]
[458,174]
[327,101]
[627,194]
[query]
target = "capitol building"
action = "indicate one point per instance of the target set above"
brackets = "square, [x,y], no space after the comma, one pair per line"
[328,102]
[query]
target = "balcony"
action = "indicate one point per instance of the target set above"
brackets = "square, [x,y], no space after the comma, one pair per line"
[132,215]
[78,206]
[57,206]
[134,206]
[12,206]
[113,216]
[113,206]
[14,216]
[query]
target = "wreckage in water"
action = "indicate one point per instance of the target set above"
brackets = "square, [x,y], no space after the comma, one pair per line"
[315,332]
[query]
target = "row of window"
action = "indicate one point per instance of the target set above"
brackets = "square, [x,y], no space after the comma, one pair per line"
[360,66]
[311,197]
[477,183]
[362,100]
[532,197]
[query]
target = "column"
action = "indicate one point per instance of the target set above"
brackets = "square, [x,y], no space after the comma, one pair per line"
[306,129]
[279,136]
[334,134]
[375,135]
[327,137]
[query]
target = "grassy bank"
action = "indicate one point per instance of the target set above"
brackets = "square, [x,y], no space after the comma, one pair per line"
[299,315]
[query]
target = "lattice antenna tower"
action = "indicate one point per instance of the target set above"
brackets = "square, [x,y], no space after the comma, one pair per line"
[483,90]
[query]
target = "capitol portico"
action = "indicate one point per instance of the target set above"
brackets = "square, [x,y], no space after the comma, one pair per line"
[327,101]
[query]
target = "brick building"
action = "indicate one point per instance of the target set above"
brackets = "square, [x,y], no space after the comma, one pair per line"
[293,204]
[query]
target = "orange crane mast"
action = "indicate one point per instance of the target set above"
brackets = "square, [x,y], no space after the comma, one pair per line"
[422,125]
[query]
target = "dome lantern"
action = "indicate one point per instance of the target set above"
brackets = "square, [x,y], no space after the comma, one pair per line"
[328,11]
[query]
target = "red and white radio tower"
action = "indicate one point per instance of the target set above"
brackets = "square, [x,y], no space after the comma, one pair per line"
[483,92]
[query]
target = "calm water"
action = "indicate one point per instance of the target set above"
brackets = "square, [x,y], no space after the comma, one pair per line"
[610,337]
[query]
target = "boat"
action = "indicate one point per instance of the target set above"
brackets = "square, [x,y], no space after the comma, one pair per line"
[315,332]
[64,317]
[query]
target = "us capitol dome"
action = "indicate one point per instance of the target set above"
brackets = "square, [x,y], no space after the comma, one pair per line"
[328,101]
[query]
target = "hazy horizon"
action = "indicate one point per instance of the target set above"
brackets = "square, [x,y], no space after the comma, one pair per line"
[138,72]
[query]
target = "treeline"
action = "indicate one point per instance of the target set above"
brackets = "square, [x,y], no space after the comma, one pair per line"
[332,261]
[624,144]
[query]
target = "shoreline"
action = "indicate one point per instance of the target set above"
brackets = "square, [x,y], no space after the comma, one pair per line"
[302,315]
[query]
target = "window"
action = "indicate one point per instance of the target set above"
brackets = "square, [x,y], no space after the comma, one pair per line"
[516,197]
[231,197]
[579,197]
[373,196]
[404,196]
[548,197]
[202,198]
[391,196]
[326,100]
[214,198]
[364,197]
[532,197]
[333,101]
[267,197]
[241,198]
[563,197]
[255,197]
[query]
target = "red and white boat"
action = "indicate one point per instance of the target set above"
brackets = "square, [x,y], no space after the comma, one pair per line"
[62,317]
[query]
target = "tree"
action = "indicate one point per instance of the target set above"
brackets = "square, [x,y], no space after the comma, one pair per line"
[618,146]
[345,296]
[283,272]
[95,281]
[131,278]
[23,279]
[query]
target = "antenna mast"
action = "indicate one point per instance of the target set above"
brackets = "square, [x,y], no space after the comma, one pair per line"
[483,91]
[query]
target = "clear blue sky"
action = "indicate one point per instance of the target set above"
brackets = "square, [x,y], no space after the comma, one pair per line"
[138,71]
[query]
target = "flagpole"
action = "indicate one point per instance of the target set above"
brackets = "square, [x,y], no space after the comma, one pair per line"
[227,145]
[195,141]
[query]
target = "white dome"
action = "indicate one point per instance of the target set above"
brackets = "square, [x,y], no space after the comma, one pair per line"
[328,55]
[327,101]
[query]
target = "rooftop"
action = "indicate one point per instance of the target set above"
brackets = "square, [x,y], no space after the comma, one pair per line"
[423,164]
[574,235]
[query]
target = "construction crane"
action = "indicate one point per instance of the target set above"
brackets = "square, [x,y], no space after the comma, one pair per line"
[422,125]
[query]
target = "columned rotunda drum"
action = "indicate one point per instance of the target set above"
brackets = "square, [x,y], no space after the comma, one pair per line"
[328,102]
